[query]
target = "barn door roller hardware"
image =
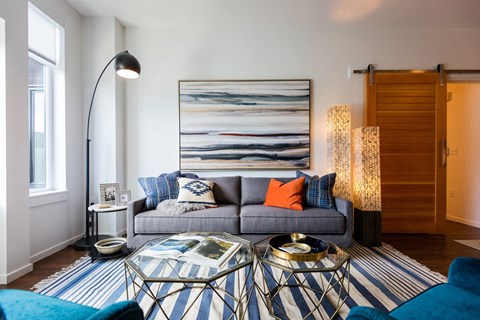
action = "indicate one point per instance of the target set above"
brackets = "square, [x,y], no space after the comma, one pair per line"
[440,69]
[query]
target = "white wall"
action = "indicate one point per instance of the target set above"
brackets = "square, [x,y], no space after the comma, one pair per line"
[57,220]
[16,258]
[268,49]
[3,157]
[463,176]
[39,226]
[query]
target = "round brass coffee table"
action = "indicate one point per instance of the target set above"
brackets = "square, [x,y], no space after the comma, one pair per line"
[322,281]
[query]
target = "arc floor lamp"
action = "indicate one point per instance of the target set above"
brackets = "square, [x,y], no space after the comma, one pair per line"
[126,66]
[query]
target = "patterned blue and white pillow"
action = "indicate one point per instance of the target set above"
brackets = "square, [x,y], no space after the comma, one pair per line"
[163,187]
[318,192]
[159,188]
[196,191]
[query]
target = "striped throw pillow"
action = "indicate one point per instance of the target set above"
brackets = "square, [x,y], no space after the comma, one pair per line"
[160,188]
[318,192]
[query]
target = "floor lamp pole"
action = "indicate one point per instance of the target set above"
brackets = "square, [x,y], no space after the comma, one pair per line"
[87,242]
[87,191]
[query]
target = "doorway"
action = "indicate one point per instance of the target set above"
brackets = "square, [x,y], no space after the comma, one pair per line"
[463,160]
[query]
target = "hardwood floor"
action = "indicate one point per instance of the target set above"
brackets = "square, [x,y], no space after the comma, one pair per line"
[436,251]
[46,267]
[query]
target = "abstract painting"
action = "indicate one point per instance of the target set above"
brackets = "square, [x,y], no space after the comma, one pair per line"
[258,124]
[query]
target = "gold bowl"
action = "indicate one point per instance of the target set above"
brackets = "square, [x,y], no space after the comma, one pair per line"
[298,237]
[296,248]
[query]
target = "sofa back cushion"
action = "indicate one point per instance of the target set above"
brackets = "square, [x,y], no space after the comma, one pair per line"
[255,189]
[226,189]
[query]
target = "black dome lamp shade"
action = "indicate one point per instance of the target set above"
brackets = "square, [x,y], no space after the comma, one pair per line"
[126,66]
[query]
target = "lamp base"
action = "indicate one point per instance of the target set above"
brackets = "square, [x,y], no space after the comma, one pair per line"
[87,243]
[367,227]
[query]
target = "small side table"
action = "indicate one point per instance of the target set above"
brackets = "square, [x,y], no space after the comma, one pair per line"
[91,234]
[94,254]
[95,210]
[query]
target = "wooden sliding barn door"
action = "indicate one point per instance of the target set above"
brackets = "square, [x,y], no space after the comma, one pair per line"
[410,109]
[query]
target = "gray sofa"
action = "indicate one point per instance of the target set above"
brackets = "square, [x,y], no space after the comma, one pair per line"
[241,212]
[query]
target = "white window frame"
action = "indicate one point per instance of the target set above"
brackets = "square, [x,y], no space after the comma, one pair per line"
[55,177]
[49,110]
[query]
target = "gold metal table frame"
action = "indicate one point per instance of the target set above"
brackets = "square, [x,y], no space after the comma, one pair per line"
[278,274]
[156,284]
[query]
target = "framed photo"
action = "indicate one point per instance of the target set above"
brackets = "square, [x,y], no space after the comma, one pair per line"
[244,124]
[123,196]
[108,193]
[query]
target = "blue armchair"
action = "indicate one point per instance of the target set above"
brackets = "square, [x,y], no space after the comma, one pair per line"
[457,299]
[26,305]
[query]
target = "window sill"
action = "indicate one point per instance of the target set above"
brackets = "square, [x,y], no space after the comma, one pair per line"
[46,198]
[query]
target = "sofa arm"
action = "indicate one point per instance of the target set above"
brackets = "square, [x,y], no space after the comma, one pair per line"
[367,313]
[134,207]
[124,310]
[464,272]
[346,208]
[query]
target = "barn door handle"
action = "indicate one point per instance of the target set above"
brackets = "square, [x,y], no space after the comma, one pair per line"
[444,153]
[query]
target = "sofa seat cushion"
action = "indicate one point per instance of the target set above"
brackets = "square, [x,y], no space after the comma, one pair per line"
[444,301]
[262,219]
[223,218]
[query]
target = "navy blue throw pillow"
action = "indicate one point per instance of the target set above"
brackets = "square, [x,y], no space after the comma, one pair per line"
[160,188]
[318,192]
[163,187]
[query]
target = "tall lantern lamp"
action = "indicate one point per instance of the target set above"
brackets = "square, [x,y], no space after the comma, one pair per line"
[126,66]
[338,148]
[367,186]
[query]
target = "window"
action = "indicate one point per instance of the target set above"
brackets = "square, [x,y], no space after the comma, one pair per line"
[45,70]
[37,120]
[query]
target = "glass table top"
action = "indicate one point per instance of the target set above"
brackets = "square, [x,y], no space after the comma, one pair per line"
[166,268]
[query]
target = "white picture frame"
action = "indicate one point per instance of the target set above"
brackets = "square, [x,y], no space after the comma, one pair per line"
[123,197]
[108,193]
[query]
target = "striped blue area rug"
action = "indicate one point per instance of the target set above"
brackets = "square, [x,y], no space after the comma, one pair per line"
[380,277]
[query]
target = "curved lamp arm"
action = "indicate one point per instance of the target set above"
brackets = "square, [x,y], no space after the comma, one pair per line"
[95,90]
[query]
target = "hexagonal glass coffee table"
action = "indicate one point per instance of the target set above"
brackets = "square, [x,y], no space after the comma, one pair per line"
[324,279]
[147,275]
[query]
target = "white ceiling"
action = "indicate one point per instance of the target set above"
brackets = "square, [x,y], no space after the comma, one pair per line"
[278,13]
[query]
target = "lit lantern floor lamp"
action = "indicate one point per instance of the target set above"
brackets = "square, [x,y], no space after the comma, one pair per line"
[367,219]
[126,66]
[339,132]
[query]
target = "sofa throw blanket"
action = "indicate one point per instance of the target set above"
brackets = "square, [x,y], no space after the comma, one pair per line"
[173,207]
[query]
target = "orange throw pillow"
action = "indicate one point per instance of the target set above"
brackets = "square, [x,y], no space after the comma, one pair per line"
[285,195]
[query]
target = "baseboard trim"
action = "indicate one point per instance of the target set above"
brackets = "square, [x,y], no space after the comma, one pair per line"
[14,275]
[464,221]
[121,233]
[48,252]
